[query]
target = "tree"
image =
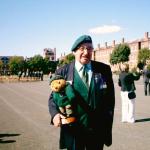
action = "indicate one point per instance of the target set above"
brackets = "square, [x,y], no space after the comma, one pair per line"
[120,54]
[38,62]
[143,55]
[66,60]
[49,66]
[16,64]
[35,63]
[1,64]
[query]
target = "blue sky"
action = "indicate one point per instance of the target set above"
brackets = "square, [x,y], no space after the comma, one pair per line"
[29,26]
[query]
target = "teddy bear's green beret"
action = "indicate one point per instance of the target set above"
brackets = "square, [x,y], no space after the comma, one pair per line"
[55,77]
[82,39]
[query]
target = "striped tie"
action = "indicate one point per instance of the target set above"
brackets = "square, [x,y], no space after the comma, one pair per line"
[85,76]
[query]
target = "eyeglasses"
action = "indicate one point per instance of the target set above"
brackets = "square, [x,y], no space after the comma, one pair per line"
[82,48]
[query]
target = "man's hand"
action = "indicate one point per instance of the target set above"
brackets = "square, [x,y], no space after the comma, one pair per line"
[57,120]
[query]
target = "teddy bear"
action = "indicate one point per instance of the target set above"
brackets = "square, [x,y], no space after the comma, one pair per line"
[64,96]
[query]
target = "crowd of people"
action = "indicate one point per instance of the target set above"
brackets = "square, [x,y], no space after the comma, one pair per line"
[31,75]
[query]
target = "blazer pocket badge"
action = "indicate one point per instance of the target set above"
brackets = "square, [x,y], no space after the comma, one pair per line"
[100,81]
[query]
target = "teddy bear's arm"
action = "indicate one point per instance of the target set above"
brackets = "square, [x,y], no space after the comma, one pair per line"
[61,99]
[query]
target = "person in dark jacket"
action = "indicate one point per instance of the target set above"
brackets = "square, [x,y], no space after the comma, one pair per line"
[94,103]
[126,82]
[146,79]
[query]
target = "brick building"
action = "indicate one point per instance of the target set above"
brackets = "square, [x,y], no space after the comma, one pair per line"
[50,53]
[103,53]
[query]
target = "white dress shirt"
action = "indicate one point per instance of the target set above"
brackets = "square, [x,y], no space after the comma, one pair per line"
[79,69]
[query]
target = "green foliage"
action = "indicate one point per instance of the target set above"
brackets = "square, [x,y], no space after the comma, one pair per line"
[143,55]
[148,67]
[49,66]
[35,63]
[120,54]
[15,64]
[1,64]
[68,59]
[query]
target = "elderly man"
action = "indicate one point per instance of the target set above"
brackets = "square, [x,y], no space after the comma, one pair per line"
[94,103]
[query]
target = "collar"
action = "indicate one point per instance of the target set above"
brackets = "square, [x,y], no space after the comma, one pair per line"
[78,65]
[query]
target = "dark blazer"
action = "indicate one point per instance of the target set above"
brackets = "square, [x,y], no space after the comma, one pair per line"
[104,111]
[146,75]
[126,81]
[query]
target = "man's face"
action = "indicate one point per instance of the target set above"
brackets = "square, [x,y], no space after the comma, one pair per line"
[83,54]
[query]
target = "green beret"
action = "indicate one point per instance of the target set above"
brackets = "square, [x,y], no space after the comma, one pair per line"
[55,77]
[82,39]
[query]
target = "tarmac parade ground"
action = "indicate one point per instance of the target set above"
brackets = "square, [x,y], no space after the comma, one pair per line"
[25,120]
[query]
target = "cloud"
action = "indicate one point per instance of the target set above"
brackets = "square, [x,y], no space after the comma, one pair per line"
[105,29]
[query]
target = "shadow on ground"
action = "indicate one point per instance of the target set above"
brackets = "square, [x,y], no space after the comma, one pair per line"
[3,138]
[143,120]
